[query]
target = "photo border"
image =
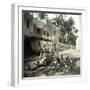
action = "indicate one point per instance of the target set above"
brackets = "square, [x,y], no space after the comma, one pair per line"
[16,57]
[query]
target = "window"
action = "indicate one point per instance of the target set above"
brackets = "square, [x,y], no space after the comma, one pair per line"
[34,26]
[38,43]
[54,32]
[38,30]
[44,45]
[28,22]
[44,32]
[47,34]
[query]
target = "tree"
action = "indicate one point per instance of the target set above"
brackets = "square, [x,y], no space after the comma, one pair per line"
[69,25]
[59,20]
[70,29]
[71,39]
[42,15]
[67,29]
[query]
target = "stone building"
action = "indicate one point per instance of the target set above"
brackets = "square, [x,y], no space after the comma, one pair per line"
[39,36]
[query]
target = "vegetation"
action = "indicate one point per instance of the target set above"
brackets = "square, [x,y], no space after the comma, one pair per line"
[67,29]
[42,15]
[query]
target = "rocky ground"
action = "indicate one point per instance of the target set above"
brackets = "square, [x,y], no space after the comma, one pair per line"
[51,65]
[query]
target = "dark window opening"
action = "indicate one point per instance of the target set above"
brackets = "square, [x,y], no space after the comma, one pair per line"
[38,43]
[44,45]
[34,26]
[54,32]
[47,34]
[38,30]
[27,47]
[28,22]
[44,32]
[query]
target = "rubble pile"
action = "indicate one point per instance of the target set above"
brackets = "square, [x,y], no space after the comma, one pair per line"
[51,65]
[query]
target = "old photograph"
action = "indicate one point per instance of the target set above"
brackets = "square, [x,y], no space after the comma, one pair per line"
[51,43]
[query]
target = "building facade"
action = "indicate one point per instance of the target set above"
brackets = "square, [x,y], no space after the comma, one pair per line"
[39,36]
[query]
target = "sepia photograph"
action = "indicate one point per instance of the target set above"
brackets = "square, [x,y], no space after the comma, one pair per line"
[51,43]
